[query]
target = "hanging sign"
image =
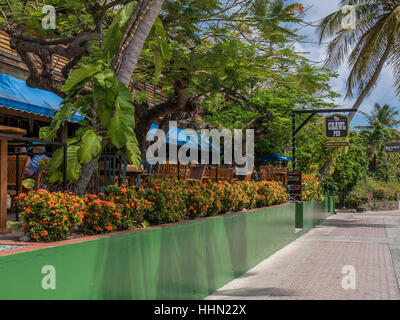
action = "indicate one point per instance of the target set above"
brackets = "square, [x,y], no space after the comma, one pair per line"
[337,144]
[392,147]
[294,181]
[337,126]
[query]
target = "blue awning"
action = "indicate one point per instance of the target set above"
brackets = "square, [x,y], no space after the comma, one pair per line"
[276,157]
[180,137]
[15,94]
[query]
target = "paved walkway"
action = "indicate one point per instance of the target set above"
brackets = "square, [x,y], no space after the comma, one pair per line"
[320,264]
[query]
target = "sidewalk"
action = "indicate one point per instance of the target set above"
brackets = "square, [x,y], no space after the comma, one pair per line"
[311,267]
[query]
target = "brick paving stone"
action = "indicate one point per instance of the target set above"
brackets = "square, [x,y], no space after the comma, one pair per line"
[370,242]
[364,227]
[320,275]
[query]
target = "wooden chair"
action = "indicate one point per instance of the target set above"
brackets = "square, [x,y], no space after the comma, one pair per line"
[266,176]
[266,169]
[280,175]
[225,174]
[209,174]
[170,170]
[167,170]
[13,176]
[196,173]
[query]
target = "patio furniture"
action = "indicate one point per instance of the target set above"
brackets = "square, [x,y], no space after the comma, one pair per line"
[280,175]
[131,174]
[4,174]
[15,173]
[196,173]
[267,173]
[111,171]
[148,170]
[225,174]
[210,174]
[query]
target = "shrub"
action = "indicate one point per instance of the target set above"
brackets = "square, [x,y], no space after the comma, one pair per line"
[357,198]
[169,197]
[129,203]
[49,216]
[102,216]
[311,188]
[201,201]
[271,193]
[370,190]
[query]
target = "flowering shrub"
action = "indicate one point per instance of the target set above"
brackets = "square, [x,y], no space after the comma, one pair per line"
[129,203]
[169,197]
[270,193]
[371,190]
[312,189]
[49,216]
[102,216]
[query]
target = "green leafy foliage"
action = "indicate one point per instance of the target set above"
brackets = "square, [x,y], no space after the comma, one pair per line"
[107,111]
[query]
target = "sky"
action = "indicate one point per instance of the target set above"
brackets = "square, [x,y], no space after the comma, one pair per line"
[384,92]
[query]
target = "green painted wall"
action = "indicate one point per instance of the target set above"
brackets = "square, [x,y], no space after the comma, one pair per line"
[182,261]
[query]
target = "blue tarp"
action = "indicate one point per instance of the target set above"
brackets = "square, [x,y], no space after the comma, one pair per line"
[276,157]
[180,137]
[15,94]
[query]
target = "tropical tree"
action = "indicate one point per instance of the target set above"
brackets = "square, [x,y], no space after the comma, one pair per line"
[103,56]
[384,115]
[373,39]
[380,129]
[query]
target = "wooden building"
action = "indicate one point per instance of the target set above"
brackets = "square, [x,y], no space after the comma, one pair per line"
[30,109]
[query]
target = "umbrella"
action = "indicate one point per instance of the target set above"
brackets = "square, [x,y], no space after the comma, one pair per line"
[276,157]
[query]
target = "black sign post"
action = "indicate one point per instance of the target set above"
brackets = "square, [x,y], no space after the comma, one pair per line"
[337,126]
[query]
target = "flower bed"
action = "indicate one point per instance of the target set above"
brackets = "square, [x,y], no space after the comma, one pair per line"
[55,216]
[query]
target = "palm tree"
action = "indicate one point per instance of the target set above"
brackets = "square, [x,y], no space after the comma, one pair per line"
[374,40]
[384,115]
[380,128]
[135,36]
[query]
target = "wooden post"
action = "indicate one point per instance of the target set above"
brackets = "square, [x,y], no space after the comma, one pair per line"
[3,185]
[3,173]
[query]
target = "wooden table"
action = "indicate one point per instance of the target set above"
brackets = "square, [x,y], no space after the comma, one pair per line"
[132,173]
[3,173]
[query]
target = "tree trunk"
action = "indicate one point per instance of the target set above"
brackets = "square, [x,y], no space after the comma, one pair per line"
[130,55]
[144,21]
[325,169]
[80,186]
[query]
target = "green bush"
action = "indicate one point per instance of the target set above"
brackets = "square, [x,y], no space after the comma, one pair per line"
[53,216]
